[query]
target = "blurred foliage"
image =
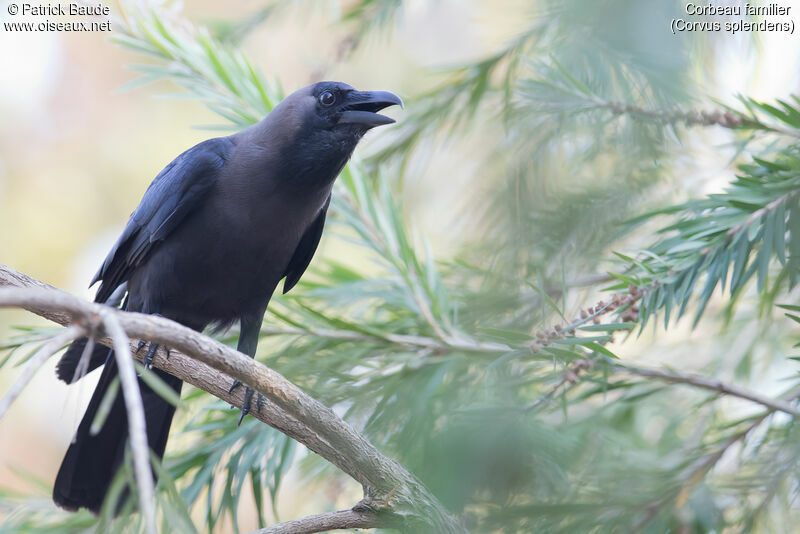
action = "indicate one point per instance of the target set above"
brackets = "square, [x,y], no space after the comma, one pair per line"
[493,375]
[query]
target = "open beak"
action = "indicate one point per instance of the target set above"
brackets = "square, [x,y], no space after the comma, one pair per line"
[362,107]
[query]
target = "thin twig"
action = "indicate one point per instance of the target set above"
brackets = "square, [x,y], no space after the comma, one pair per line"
[405,341]
[549,394]
[759,213]
[137,427]
[713,384]
[83,363]
[694,117]
[571,375]
[422,304]
[568,378]
[71,333]
[424,309]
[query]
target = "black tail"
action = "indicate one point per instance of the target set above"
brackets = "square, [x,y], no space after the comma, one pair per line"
[70,361]
[92,461]
[68,364]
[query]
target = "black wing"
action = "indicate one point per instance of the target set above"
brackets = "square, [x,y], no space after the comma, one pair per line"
[305,249]
[174,193]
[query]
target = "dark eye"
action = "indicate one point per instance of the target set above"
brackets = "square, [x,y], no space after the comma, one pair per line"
[327,99]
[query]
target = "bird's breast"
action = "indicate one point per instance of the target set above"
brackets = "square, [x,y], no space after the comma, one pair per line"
[229,256]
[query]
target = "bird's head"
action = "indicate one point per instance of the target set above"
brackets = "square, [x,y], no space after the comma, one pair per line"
[339,107]
[334,113]
[321,124]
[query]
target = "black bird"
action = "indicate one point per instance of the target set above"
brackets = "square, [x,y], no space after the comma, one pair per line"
[214,234]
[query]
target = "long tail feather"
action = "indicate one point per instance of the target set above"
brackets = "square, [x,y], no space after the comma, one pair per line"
[92,461]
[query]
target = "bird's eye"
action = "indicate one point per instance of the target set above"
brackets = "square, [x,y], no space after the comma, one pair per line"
[327,99]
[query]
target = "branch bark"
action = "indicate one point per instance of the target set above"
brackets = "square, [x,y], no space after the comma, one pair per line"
[397,496]
[342,519]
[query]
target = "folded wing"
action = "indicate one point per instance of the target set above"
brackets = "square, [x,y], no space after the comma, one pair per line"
[177,190]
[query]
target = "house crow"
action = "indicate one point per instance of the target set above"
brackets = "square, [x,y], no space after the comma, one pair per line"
[214,234]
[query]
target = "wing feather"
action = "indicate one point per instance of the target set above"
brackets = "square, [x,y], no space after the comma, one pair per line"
[173,194]
[305,249]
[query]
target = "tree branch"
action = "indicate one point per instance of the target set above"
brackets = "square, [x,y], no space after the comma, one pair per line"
[137,427]
[571,375]
[712,384]
[204,362]
[761,212]
[340,520]
[717,117]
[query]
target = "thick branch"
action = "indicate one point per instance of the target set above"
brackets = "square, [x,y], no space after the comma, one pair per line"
[324,522]
[187,369]
[290,410]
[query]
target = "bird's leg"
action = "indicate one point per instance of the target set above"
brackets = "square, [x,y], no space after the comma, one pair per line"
[151,353]
[248,341]
[147,361]
[139,348]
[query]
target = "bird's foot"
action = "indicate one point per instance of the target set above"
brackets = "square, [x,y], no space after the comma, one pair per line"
[236,384]
[248,397]
[151,353]
[147,361]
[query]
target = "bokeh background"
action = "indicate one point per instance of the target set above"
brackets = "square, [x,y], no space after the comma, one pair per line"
[77,151]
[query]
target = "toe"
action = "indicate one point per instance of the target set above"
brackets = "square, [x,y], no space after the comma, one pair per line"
[248,396]
[245,411]
[151,353]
